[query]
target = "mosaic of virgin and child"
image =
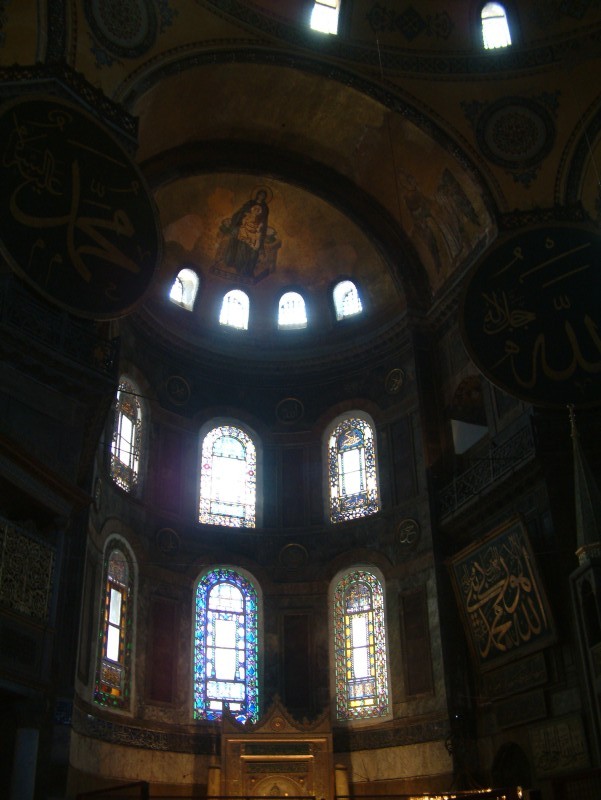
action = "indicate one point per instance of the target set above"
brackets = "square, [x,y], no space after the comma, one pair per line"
[247,246]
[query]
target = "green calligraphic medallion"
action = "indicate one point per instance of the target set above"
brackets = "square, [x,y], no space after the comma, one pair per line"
[531,315]
[77,221]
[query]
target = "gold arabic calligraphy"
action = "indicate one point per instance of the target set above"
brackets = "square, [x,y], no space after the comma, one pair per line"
[502,599]
[93,229]
[559,338]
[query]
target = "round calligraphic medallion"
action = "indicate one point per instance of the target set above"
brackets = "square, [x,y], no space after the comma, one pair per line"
[531,315]
[76,219]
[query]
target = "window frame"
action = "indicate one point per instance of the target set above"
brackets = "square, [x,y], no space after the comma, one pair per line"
[512,24]
[339,651]
[294,326]
[252,437]
[195,284]
[206,582]
[338,511]
[106,693]
[340,317]
[326,4]
[127,475]
[228,325]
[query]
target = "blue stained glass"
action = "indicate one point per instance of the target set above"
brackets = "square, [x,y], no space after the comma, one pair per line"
[225,646]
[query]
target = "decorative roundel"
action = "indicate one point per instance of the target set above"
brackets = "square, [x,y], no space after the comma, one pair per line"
[408,532]
[178,390]
[394,381]
[515,132]
[167,541]
[293,556]
[127,28]
[289,410]
[277,723]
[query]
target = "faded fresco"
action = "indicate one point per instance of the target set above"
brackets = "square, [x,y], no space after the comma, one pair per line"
[249,231]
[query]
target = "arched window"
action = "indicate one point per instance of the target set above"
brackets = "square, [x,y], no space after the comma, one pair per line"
[324,16]
[226,646]
[292,312]
[234,310]
[346,300]
[113,675]
[127,438]
[495,27]
[228,478]
[184,289]
[360,658]
[352,470]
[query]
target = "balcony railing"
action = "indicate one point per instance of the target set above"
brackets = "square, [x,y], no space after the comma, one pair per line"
[56,331]
[502,460]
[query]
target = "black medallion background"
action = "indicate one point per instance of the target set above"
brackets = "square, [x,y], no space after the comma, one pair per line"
[531,313]
[76,219]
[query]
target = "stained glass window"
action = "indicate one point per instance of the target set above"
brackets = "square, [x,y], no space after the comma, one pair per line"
[127,436]
[184,289]
[226,647]
[495,28]
[346,300]
[113,674]
[360,660]
[228,476]
[352,470]
[235,309]
[292,312]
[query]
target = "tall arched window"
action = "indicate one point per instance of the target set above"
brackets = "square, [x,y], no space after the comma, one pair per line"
[352,470]
[226,646]
[184,288]
[346,300]
[113,674]
[495,27]
[127,438]
[235,310]
[228,478]
[291,311]
[360,657]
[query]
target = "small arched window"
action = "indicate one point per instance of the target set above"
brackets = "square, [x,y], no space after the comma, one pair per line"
[235,309]
[324,16]
[184,289]
[352,470]
[228,478]
[113,674]
[360,657]
[127,438]
[226,647]
[495,26]
[346,300]
[291,311]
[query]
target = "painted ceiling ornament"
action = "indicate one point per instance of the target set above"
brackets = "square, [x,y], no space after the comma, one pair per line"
[515,133]
[394,381]
[289,410]
[178,390]
[167,541]
[531,315]
[293,556]
[408,532]
[125,28]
